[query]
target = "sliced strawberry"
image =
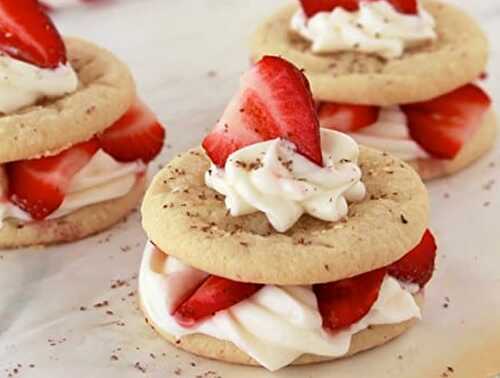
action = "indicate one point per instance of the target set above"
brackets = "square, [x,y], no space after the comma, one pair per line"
[342,303]
[442,125]
[405,6]
[311,7]
[214,294]
[28,34]
[345,117]
[38,186]
[136,136]
[418,265]
[274,101]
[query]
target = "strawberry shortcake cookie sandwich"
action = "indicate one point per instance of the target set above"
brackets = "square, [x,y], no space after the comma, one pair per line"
[74,139]
[278,243]
[397,75]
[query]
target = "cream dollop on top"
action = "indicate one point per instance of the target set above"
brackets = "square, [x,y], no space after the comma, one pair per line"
[390,134]
[275,326]
[273,178]
[102,179]
[23,84]
[376,28]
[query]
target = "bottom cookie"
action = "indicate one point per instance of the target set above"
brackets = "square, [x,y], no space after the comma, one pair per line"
[78,225]
[475,148]
[210,347]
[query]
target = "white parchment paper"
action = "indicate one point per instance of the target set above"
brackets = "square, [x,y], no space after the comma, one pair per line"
[71,310]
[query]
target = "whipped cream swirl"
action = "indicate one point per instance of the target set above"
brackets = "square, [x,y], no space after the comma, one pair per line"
[102,179]
[273,178]
[23,84]
[390,134]
[376,28]
[275,326]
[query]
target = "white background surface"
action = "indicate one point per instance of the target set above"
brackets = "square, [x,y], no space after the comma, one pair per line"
[186,57]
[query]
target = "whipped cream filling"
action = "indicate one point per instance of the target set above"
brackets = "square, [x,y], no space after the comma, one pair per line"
[275,326]
[273,178]
[391,134]
[376,28]
[102,179]
[23,84]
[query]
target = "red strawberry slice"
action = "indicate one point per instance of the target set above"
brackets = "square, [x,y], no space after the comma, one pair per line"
[274,101]
[311,7]
[345,117]
[342,303]
[418,265]
[405,6]
[214,294]
[38,186]
[136,136]
[28,34]
[442,125]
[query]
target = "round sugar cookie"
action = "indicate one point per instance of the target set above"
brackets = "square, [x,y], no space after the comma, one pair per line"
[105,92]
[184,217]
[87,221]
[222,350]
[457,57]
[481,142]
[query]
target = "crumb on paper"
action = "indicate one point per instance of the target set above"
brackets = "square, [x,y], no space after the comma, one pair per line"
[101,304]
[489,184]
[139,367]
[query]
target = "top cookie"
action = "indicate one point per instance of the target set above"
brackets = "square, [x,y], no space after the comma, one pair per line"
[188,220]
[457,57]
[105,92]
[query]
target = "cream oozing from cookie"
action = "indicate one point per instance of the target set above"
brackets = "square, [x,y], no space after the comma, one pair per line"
[376,28]
[391,134]
[275,326]
[102,179]
[273,178]
[23,84]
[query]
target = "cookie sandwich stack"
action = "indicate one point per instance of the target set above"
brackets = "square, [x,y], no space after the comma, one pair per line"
[397,75]
[280,243]
[75,140]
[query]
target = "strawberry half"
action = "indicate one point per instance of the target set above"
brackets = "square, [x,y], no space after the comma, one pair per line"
[137,135]
[311,7]
[38,186]
[418,265]
[345,117]
[28,34]
[214,294]
[441,126]
[274,101]
[342,303]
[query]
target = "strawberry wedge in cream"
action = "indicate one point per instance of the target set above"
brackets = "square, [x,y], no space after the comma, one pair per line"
[277,324]
[104,168]
[255,252]
[437,136]
[381,27]
[436,129]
